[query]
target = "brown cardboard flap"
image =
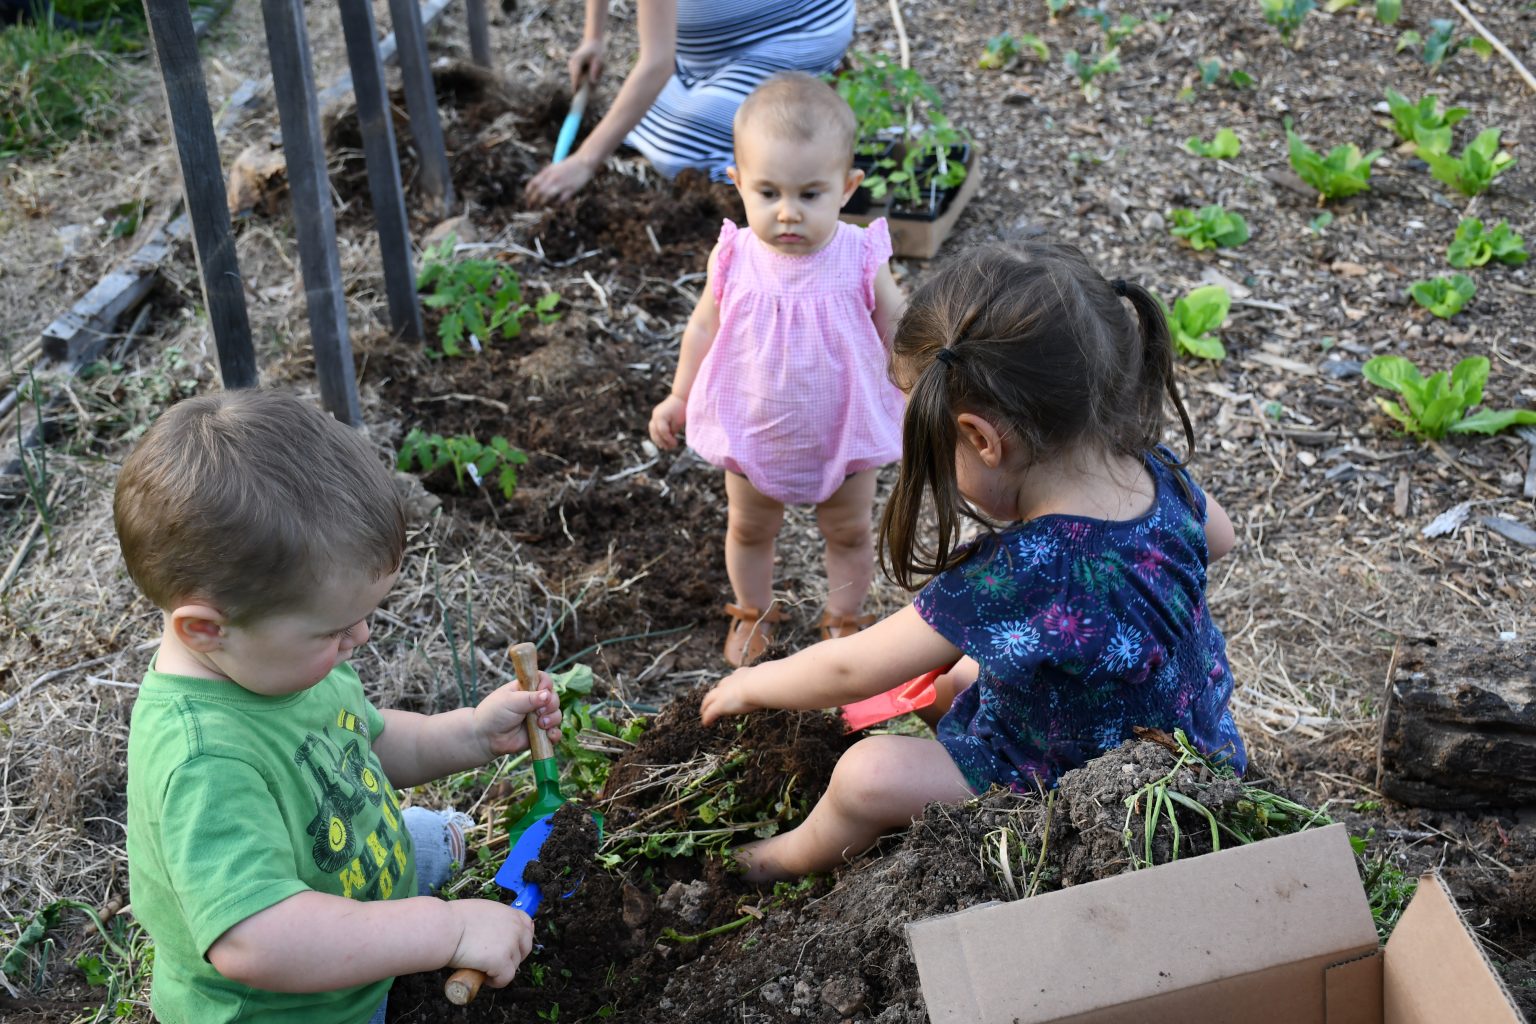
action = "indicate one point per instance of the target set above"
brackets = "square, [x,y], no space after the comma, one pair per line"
[1353,991]
[1435,971]
[1149,933]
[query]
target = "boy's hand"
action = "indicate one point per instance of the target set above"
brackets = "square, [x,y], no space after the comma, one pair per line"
[729,697]
[499,719]
[667,421]
[493,938]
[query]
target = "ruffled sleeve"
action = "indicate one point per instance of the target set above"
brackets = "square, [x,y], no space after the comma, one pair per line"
[728,233]
[877,253]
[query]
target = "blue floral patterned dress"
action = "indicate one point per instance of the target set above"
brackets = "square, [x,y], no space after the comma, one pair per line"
[1083,629]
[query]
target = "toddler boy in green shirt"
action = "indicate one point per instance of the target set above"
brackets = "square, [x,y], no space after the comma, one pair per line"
[268,856]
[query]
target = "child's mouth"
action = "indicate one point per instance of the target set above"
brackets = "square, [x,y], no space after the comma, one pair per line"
[791,239]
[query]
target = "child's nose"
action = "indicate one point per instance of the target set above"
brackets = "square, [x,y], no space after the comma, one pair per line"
[789,213]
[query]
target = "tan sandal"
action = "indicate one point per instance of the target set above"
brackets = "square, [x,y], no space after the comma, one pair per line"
[834,626]
[750,633]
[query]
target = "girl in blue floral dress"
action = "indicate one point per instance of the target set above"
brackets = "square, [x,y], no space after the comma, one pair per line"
[1037,397]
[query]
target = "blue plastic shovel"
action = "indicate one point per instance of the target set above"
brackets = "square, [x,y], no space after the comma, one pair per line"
[572,122]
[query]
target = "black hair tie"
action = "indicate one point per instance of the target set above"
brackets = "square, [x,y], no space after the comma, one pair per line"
[947,356]
[1120,287]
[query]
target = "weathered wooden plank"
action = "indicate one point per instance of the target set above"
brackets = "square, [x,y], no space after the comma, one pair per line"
[389,52]
[314,218]
[479,32]
[197,151]
[421,103]
[1458,727]
[383,161]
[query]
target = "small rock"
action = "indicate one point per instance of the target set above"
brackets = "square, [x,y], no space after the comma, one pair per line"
[1116,204]
[846,995]
[638,904]
[1341,369]
[419,502]
[771,993]
[1153,222]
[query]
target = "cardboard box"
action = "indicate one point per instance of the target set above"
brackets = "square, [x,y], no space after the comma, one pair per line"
[1274,933]
[920,239]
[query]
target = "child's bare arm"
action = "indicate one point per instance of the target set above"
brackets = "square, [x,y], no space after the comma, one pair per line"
[667,418]
[889,303]
[293,946]
[835,672]
[417,748]
[1220,537]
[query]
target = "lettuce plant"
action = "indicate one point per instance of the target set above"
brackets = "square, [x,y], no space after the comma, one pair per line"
[1422,123]
[1343,172]
[1086,69]
[1474,246]
[1210,227]
[1223,144]
[1444,296]
[1286,15]
[1472,172]
[1432,407]
[1194,317]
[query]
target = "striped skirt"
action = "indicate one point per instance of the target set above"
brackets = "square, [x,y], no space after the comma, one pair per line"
[724,51]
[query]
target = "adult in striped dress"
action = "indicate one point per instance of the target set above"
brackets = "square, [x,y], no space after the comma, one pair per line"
[698,60]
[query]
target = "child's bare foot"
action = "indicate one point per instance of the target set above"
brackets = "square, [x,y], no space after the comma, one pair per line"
[758,863]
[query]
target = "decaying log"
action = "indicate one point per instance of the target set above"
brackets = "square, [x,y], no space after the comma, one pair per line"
[1458,728]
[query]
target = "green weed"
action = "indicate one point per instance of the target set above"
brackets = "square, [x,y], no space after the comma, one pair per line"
[1004,49]
[1286,15]
[54,85]
[1088,69]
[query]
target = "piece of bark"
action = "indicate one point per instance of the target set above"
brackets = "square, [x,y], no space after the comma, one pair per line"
[1458,728]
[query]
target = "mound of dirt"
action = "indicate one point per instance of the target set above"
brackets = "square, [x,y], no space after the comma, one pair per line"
[681,939]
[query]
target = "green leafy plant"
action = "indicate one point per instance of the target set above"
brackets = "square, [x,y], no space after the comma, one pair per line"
[1286,15]
[1435,406]
[54,85]
[1317,224]
[1116,30]
[1473,172]
[1194,317]
[1088,69]
[1004,49]
[1441,42]
[1210,227]
[479,298]
[1343,172]
[1055,7]
[468,457]
[1443,296]
[1223,144]
[1474,246]
[1387,887]
[1388,11]
[1423,123]
[925,166]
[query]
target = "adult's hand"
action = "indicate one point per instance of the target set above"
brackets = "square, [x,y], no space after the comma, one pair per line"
[586,63]
[558,182]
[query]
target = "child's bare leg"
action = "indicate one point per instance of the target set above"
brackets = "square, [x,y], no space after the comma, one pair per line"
[844,519]
[880,784]
[752,525]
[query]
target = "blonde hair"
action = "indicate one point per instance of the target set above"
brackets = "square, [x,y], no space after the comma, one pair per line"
[250,499]
[799,107]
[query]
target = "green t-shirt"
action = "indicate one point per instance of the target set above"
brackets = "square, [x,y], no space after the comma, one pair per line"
[238,801]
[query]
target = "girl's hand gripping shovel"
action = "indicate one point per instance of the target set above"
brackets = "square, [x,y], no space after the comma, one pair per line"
[530,831]
[909,696]
[571,124]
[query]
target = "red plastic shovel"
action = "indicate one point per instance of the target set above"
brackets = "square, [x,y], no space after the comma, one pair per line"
[908,697]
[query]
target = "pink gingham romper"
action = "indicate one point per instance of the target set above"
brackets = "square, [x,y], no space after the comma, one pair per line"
[793,394]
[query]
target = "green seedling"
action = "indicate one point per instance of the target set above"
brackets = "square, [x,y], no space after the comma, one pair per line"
[1442,43]
[1473,172]
[1388,11]
[1343,172]
[1194,317]
[1473,246]
[1423,123]
[1116,30]
[1286,15]
[1210,227]
[1055,7]
[1444,296]
[1438,405]
[470,458]
[1317,224]
[1088,70]
[883,94]
[1004,49]
[1223,144]
[480,299]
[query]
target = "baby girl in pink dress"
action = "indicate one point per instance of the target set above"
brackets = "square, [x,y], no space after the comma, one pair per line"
[781,380]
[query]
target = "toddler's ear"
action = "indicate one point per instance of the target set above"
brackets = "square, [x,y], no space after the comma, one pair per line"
[854,180]
[198,627]
[734,175]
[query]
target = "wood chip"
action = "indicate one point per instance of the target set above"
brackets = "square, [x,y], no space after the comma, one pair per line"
[1400,496]
[1448,521]
[1347,268]
[1511,530]
[1282,363]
